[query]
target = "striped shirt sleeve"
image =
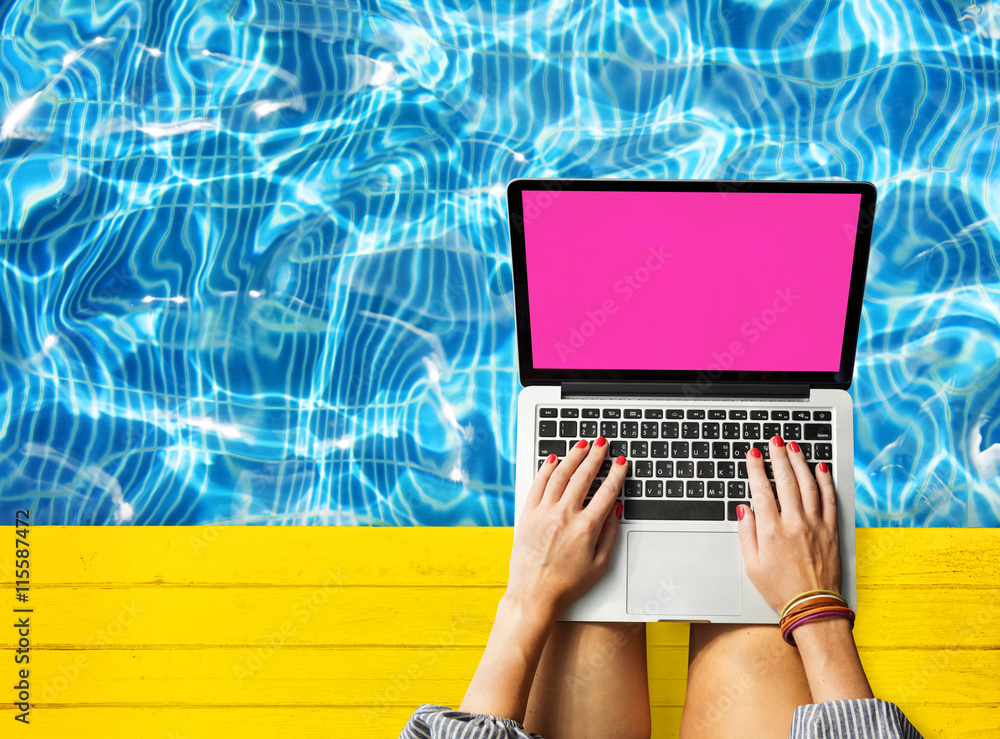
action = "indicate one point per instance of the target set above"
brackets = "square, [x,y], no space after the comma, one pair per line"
[439,722]
[870,718]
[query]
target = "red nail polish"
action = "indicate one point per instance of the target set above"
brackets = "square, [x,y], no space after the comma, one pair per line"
[551,459]
[618,510]
[822,466]
[582,444]
[779,442]
[793,447]
[755,452]
[601,441]
[620,460]
[741,511]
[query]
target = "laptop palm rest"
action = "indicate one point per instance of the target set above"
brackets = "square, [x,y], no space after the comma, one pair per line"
[684,573]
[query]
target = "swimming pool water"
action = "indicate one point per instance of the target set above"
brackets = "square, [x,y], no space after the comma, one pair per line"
[255,254]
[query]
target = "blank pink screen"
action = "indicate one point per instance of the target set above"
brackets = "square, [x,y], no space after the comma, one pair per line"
[689,281]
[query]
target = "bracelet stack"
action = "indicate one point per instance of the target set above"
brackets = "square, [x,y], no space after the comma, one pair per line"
[809,606]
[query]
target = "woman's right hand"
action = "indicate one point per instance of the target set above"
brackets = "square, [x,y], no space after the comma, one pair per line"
[787,553]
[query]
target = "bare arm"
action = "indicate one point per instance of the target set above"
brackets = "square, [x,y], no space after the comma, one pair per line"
[560,550]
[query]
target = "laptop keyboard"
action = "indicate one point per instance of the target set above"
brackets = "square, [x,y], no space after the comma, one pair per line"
[684,463]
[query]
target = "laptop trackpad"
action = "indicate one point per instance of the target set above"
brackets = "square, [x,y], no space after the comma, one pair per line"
[684,573]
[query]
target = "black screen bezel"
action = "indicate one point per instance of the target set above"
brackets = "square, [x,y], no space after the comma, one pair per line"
[530,375]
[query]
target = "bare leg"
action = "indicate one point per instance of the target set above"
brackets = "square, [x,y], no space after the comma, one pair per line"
[743,680]
[591,682]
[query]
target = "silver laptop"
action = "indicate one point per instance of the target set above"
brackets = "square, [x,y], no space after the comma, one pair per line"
[686,321]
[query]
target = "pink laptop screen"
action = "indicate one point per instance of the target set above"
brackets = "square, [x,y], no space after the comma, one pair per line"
[711,281]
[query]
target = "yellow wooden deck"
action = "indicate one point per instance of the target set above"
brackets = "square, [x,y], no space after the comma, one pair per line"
[191,633]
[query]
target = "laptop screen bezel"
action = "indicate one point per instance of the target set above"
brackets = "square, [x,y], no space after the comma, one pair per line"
[531,375]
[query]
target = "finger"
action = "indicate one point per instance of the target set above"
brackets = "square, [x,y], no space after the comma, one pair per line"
[764,505]
[747,528]
[807,483]
[606,539]
[579,482]
[828,496]
[541,478]
[784,479]
[606,495]
[560,477]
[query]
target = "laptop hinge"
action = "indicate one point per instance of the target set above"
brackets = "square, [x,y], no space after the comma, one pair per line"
[685,390]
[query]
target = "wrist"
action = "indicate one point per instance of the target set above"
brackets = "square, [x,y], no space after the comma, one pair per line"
[529,616]
[824,635]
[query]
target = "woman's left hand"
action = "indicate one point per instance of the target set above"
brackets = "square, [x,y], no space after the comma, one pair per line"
[561,547]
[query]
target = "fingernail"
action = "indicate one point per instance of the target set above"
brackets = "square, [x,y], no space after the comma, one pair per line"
[618,510]
[741,511]
[551,459]
[755,452]
[620,460]
[779,442]
[822,466]
[582,444]
[793,447]
[601,441]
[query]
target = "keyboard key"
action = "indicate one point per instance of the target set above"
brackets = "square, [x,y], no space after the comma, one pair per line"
[726,470]
[633,488]
[569,413]
[618,449]
[630,430]
[674,413]
[650,429]
[664,469]
[819,431]
[660,449]
[806,448]
[822,416]
[694,489]
[792,431]
[758,415]
[741,470]
[612,413]
[716,489]
[675,510]
[700,449]
[771,429]
[779,415]
[709,430]
[547,429]
[654,413]
[674,488]
[717,414]
[800,415]
[633,413]
[541,462]
[557,447]
[732,505]
[591,413]
[824,451]
[720,450]
[737,415]
[643,468]
[670,430]
[690,430]
[751,431]
[638,449]
[547,412]
[730,431]
[736,489]
[654,488]
[567,428]
[764,448]
[605,467]
[609,429]
[812,467]
[684,469]
[696,413]
[680,449]
[706,470]
[740,449]
[588,429]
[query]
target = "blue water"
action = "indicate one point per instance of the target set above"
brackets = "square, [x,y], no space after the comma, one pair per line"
[255,254]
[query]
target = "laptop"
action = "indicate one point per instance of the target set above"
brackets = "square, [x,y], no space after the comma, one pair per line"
[686,321]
